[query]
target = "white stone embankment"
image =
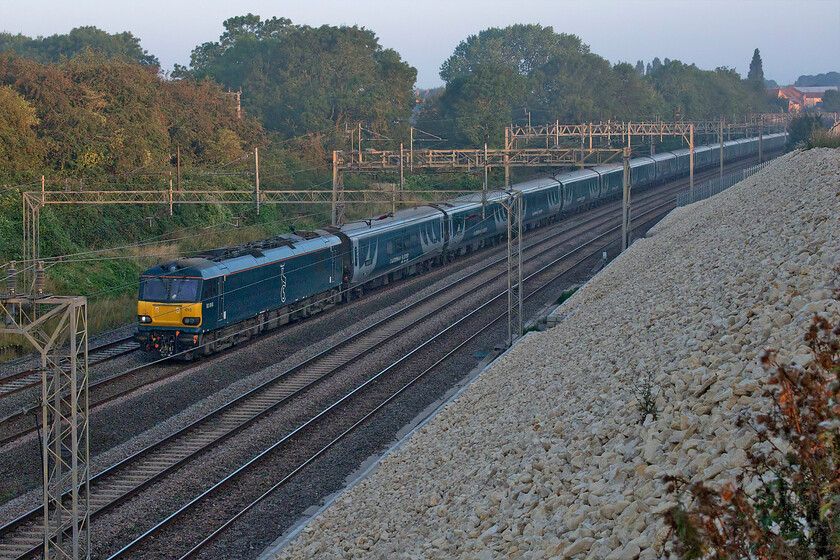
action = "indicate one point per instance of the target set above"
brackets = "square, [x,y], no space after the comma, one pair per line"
[544,455]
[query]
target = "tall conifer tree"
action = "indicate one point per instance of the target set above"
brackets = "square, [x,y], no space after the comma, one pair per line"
[756,73]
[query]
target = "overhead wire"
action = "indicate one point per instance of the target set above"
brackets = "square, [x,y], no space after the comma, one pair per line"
[69,257]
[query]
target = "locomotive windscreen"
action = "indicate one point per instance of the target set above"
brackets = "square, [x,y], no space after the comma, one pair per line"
[172,290]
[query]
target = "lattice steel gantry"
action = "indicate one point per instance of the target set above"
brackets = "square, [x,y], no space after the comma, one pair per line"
[373,161]
[57,327]
[552,133]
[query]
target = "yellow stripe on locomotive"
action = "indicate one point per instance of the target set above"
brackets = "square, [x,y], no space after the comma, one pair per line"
[157,314]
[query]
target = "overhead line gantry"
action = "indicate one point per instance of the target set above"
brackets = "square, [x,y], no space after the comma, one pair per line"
[595,148]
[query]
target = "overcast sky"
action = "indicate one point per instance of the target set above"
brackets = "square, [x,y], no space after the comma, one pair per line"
[795,37]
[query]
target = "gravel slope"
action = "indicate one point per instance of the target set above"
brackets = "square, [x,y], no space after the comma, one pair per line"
[544,455]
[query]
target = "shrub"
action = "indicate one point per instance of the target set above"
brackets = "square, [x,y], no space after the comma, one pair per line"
[822,139]
[794,513]
[646,392]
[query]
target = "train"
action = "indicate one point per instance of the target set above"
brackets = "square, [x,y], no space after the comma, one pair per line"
[197,306]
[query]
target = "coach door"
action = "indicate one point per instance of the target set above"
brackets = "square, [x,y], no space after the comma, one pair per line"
[222,312]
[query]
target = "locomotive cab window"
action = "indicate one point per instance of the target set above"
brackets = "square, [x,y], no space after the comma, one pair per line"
[173,290]
[153,289]
[184,290]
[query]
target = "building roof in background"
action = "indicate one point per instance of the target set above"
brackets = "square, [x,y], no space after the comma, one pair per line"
[814,89]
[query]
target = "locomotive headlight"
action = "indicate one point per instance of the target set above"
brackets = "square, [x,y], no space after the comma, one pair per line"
[144,319]
[191,320]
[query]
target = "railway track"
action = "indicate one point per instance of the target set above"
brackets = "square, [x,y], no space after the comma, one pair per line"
[336,421]
[127,478]
[105,390]
[31,378]
[19,424]
[112,487]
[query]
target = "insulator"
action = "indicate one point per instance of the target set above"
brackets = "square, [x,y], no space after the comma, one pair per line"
[11,279]
[40,278]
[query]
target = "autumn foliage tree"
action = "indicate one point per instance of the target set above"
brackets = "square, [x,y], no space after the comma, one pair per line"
[90,115]
[20,149]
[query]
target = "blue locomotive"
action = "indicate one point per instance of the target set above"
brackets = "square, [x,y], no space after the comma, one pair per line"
[203,304]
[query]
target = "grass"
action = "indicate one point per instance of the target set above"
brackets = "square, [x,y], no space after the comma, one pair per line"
[566,295]
[822,139]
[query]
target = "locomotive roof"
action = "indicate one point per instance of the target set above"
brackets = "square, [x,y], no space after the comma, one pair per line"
[225,260]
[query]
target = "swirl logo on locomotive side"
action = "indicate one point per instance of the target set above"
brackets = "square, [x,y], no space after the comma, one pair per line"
[283,282]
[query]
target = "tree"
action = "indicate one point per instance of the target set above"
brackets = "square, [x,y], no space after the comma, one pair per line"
[755,76]
[802,127]
[20,149]
[481,103]
[298,79]
[522,47]
[94,116]
[655,65]
[640,68]
[703,94]
[831,101]
[827,79]
[631,97]
[77,42]
[491,76]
